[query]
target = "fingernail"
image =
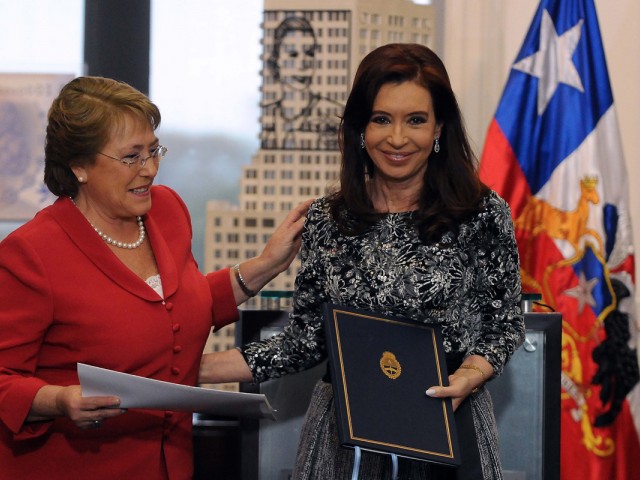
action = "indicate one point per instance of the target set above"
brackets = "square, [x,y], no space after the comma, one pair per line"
[431,392]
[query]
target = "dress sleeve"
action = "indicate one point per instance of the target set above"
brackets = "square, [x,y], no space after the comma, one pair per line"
[301,345]
[500,329]
[224,308]
[26,313]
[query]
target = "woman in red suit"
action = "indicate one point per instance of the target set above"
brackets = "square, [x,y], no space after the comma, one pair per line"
[105,276]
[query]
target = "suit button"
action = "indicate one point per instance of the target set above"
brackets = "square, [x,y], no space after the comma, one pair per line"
[169,306]
[175,370]
[177,348]
[176,327]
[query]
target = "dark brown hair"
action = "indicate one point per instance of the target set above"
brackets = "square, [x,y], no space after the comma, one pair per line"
[452,189]
[81,121]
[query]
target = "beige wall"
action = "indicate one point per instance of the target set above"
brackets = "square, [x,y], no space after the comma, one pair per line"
[481,39]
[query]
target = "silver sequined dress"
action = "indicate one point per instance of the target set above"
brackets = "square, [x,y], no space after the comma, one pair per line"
[468,284]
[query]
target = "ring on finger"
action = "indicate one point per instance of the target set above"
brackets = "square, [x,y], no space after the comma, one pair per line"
[96,424]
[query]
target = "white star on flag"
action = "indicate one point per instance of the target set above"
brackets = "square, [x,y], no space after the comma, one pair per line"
[582,291]
[552,63]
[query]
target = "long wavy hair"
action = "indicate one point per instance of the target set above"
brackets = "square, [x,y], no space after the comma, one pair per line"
[452,189]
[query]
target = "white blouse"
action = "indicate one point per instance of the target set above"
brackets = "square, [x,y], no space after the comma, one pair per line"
[154,282]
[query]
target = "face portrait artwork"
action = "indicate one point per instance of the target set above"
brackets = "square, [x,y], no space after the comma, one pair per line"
[294,55]
[295,115]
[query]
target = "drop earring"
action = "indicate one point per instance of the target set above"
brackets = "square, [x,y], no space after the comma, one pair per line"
[362,140]
[436,146]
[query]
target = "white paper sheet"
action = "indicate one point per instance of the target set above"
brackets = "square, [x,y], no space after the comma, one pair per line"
[141,392]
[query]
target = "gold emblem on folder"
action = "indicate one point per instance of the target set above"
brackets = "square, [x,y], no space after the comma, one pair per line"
[390,366]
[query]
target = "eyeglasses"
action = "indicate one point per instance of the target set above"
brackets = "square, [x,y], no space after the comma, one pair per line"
[157,154]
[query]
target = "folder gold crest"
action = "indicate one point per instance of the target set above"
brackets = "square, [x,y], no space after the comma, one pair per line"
[380,368]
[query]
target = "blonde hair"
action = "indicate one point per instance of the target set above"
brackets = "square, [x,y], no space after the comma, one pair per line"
[81,121]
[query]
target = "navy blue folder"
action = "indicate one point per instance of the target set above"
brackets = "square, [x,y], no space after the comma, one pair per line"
[380,368]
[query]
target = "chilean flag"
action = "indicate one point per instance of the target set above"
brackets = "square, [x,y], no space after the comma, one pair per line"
[553,151]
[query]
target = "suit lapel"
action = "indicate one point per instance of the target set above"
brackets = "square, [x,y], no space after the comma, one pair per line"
[81,233]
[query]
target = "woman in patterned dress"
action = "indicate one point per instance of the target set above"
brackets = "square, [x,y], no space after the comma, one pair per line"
[411,232]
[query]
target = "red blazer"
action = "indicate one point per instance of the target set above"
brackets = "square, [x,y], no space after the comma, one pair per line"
[65,298]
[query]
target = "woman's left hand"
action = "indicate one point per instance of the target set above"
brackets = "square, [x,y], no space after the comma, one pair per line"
[472,374]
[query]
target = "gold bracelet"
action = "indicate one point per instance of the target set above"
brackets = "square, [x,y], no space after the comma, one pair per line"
[473,367]
[468,366]
[243,285]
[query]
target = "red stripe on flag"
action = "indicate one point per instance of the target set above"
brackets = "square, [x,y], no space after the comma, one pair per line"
[500,170]
[628,266]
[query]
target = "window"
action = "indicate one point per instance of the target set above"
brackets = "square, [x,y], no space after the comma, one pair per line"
[215,48]
[30,27]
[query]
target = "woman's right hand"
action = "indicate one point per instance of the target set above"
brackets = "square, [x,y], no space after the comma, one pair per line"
[86,412]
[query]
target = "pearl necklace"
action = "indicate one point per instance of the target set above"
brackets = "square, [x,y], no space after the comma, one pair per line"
[116,243]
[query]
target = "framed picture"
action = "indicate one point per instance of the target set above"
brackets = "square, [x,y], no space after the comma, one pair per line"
[24,102]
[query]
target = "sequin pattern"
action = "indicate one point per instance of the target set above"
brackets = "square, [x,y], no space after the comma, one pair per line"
[469,285]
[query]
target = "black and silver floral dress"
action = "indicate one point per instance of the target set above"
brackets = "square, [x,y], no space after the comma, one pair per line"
[469,285]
